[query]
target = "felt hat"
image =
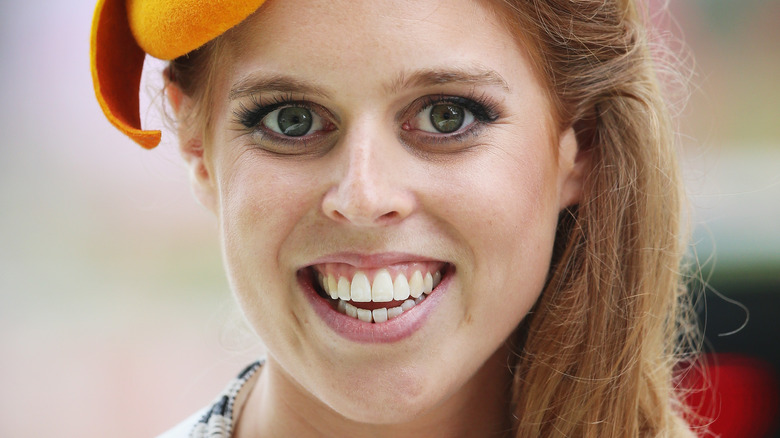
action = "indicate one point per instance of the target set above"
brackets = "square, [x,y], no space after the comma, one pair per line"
[124,31]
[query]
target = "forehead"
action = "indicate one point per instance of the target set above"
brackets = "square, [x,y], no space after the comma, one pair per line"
[372,43]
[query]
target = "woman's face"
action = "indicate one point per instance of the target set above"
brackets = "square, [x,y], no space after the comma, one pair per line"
[360,147]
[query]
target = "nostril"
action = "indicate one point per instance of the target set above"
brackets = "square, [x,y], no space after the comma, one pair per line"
[390,216]
[367,209]
[335,214]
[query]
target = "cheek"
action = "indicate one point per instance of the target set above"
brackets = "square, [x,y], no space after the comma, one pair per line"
[259,207]
[518,224]
[505,203]
[506,209]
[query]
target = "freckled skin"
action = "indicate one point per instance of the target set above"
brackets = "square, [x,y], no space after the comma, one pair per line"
[487,204]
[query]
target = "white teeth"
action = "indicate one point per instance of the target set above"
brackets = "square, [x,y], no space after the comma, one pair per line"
[360,291]
[380,315]
[394,312]
[400,288]
[382,289]
[332,287]
[416,285]
[350,310]
[364,315]
[344,288]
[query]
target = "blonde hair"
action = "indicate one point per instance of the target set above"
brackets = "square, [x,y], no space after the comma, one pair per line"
[595,357]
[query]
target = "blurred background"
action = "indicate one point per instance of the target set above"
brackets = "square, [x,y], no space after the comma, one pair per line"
[115,315]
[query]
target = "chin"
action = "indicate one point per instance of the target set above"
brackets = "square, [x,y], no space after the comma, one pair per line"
[397,400]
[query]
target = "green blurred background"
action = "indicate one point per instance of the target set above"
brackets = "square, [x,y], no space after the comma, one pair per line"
[115,315]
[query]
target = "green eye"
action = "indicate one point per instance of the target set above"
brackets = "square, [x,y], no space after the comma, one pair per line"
[444,117]
[294,121]
[447,118]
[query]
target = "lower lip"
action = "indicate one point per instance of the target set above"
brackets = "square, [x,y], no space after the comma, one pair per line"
[393,330]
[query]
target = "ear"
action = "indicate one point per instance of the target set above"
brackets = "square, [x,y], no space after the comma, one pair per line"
[191,147]
[574,163]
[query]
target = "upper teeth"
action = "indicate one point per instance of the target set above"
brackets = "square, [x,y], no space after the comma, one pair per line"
[384,288]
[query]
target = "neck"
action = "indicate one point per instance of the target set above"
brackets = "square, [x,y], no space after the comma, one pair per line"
[278,406]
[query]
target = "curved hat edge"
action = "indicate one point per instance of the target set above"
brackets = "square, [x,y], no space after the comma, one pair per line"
[116,62]
[122,35]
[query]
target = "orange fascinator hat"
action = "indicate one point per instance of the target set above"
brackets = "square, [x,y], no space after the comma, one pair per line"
[124,31]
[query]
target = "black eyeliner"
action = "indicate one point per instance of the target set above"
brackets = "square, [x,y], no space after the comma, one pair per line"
[482,109]
[251,116]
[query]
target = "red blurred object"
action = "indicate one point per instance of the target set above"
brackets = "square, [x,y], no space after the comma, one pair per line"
[734,396]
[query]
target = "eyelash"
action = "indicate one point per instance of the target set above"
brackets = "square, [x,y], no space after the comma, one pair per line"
[484,110]
[250,117]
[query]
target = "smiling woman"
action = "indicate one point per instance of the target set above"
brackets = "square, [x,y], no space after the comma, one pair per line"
[452,219]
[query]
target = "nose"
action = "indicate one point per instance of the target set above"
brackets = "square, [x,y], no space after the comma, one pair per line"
[370,188]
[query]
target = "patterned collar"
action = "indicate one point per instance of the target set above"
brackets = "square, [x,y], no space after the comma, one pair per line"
[217,422]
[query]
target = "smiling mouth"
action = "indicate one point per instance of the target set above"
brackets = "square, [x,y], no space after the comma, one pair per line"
[376,295]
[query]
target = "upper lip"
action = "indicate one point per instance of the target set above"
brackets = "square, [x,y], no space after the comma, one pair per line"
[374,260]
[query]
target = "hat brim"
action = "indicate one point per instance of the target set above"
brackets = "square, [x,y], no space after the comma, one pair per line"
[124,31]
[117,62]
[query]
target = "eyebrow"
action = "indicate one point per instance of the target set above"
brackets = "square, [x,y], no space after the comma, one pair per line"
[254,84]
[477,76]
